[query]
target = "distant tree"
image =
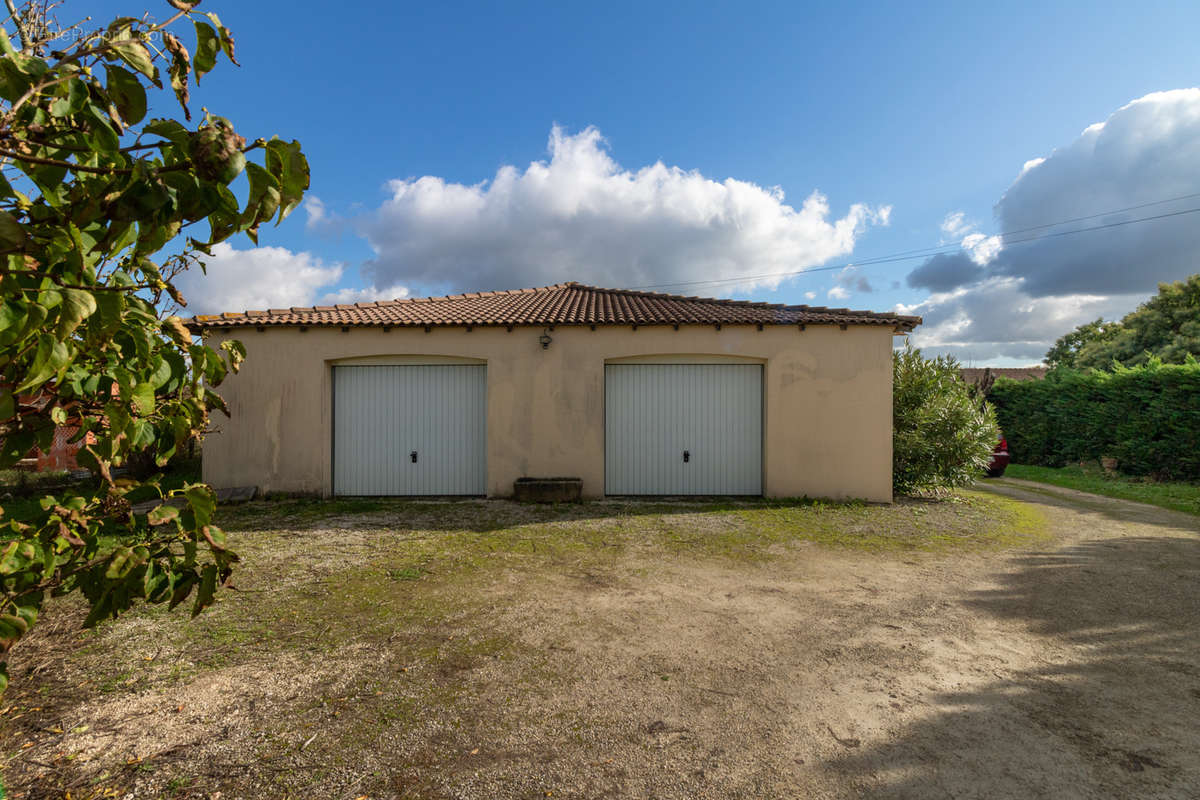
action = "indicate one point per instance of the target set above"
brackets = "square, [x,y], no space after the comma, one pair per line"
[942,436]
[91,193]
[1167,327]
[1065,352]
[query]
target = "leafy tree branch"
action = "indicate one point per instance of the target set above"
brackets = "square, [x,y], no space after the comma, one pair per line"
[91,194]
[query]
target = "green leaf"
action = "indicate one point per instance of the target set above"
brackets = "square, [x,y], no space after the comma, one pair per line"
[50,298]
[118,419]
[168,129]
[125,560]
[142,399]
[110,305]
[58,415]
[8,404]
[141,435]
[15,556]
[51,356]
[215,537]
[288,164]
[226,37]
[77,305]
[12,234]
[180,72]
[202,501]
[162,514]
[164,449]
[7,49]
[14,82]
[29,613]
[12,317]
[15,445]
[101,136]
[208,588]
[181,586]
[162,372]
[19,320]
[118,563]
[143,199]
[235,351]
[135,54]
[127,94]
[207,46]
[71,96]
[13,621]
[155,583]
[263,200]
[101,608]
[9,634]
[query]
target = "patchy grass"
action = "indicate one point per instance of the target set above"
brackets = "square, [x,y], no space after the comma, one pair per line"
[359,617]
[1175,496]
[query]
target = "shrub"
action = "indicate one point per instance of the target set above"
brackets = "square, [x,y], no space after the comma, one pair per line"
[941,436]
[1147,417]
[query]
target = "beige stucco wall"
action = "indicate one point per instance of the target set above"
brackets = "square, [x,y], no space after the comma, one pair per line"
[828,401]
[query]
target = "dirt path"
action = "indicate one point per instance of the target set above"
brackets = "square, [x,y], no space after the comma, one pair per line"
[1067,672]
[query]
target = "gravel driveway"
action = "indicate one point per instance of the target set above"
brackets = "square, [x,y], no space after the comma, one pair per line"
[1069,669]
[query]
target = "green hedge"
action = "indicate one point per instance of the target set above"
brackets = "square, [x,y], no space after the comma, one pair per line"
[1148,418]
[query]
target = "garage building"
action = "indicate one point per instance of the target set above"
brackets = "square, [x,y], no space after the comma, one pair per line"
[637,393]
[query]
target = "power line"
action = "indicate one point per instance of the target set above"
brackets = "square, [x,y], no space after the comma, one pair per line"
[1110,225]
[929,252]
[1104,214]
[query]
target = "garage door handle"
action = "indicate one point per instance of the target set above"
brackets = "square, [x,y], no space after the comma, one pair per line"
[687,456]
[413,456]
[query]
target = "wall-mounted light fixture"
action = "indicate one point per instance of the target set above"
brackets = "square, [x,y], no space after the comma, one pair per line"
[545,340]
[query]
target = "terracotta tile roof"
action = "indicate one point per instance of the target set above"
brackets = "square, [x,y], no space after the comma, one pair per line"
[561,304]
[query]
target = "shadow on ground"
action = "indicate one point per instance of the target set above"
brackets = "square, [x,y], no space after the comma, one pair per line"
[1110,711]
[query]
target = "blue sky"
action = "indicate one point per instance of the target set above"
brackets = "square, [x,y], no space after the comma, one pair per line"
[927,109]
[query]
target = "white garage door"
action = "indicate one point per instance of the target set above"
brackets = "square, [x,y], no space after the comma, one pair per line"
[409,430]
[683,429]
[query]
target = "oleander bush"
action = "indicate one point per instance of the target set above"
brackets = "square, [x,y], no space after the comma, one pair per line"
[942,436]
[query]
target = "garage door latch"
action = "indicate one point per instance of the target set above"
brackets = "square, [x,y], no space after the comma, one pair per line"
[687,456]
[413,456]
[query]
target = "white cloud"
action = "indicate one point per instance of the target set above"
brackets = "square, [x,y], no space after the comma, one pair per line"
[258,278]
[1030,164]
[1148,151]
[347,296]
[838,293]
[979,248]
[955,225]
[998,319]
[982,249]
[810,295]
[1008,298]
[582,216]
[314,208]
